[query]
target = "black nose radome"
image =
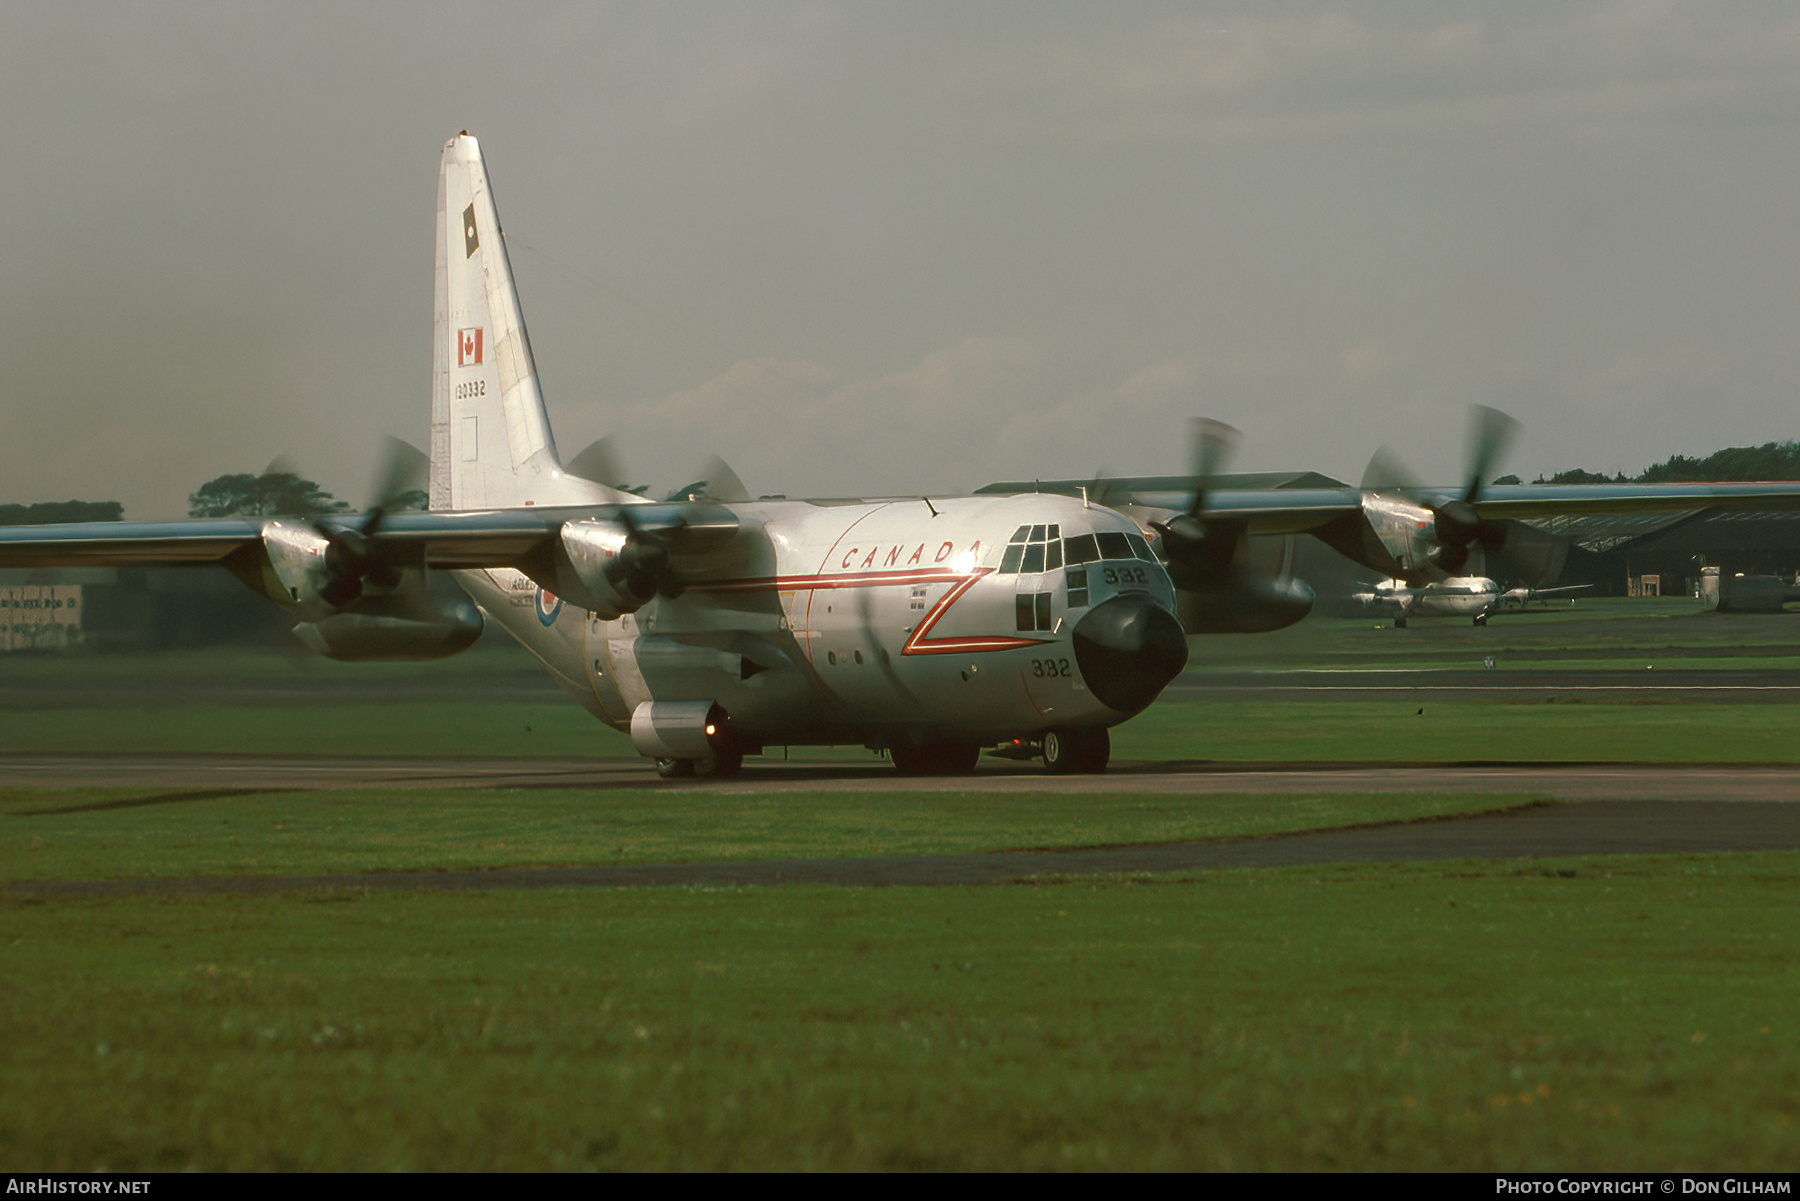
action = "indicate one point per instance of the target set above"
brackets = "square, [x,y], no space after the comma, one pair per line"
[1129,649]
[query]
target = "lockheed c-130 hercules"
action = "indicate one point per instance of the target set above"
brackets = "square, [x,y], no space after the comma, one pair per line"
[708,629]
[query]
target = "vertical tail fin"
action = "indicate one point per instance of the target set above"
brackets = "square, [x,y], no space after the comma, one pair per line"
[491,445]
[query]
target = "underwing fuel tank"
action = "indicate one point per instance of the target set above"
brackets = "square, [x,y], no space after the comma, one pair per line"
[1244,607]
[360,637]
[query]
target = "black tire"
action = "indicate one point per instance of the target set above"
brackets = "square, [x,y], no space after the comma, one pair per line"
[720,765]
[1076,752]
[674,769]
[1094,752]
[1481,619]
[1399,623]
[935,759]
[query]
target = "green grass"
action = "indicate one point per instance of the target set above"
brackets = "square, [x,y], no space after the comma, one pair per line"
[492,656]
[1606,1015]
[1653,731]
[1608,625]
[93,834]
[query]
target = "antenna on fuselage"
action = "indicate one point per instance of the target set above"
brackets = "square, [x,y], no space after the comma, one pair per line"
[929,505]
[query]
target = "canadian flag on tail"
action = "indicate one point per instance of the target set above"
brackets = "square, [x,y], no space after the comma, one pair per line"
[468,347]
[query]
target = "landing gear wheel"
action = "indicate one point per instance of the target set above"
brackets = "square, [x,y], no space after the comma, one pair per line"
[674,769]
[1071,752]
[1094,752]
[720,765]
[935,759]
[1481,619]
[1399,623]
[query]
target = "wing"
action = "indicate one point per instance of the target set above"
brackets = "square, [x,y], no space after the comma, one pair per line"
[610,559]
[491,538]
[1414,534]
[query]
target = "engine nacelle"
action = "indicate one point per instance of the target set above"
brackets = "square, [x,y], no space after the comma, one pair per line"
[291,569]
[311,574]
[604,568]
[1244,606]
[420,633]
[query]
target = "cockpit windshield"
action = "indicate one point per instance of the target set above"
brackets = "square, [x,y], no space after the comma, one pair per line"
[1035,548]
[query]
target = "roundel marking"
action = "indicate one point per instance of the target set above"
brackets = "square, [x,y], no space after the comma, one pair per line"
[548,606]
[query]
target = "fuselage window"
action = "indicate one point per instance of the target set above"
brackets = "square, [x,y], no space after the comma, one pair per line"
[1140,547]
[1034,557]
[1032,611]
[1078,596]
[1009,561]
[1080,548]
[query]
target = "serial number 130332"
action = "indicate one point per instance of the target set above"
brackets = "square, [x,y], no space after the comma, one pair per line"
[472,388]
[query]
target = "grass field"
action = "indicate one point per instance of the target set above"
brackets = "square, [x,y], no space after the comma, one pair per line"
[1619,1014]
[1602,1014]
[134,834]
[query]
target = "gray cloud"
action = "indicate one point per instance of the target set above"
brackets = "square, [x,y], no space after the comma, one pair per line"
[899,248]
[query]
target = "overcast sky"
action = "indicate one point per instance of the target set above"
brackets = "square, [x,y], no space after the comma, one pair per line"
[898,247]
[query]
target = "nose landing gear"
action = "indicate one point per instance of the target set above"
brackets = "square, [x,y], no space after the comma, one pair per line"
[1076,752]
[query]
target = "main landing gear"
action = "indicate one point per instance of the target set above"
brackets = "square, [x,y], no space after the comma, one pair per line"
[935,758]
[717,766]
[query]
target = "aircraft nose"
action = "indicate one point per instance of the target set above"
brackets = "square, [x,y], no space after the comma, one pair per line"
[1129,649]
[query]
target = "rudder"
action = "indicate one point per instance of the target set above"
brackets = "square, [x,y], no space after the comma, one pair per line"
[491,445]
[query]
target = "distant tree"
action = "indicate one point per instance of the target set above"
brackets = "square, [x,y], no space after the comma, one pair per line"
[1770,461]
[1576,475]
[271,494]
[53,512]
[412,499]
[1506,479]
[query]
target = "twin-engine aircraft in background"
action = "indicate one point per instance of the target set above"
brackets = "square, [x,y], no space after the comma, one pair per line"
[1472,596]
[923,627]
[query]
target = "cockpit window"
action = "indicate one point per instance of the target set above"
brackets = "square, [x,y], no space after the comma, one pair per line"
[1036,548]
[1113,545]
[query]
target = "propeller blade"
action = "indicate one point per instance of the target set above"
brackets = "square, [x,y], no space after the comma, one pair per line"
[1490,433]
[402,478]
[1385,473]
[722,483]
[1212,444]
[599,463]
[879,653]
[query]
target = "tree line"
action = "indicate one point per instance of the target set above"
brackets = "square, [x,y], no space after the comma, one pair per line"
[1770,461]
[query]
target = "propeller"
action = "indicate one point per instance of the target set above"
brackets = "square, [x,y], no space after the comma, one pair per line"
[719,483]
[1199,551]
[354,559]
[641,567]
[1457,522]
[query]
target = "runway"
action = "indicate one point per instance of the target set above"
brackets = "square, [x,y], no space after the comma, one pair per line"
[1519,686]
[1617,808]
[1596,781]
[1620,809]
